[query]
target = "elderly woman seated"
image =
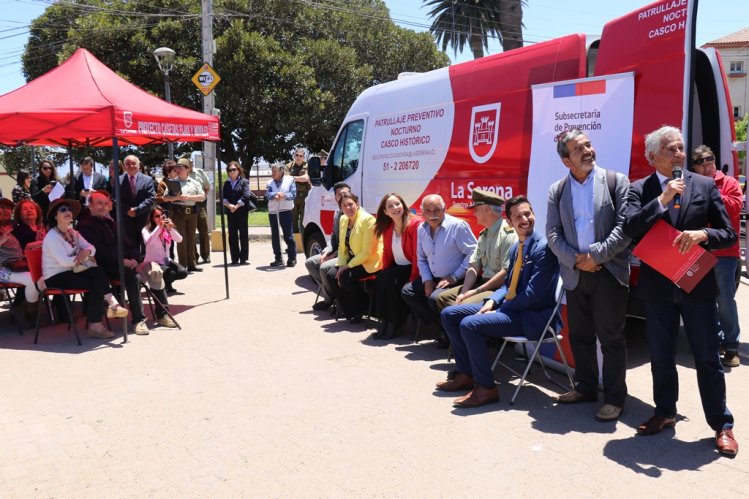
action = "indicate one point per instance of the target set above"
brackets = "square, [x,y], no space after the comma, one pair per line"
[67,262]
[13,268]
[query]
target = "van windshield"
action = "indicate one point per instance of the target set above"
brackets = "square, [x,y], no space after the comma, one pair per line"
[344,158]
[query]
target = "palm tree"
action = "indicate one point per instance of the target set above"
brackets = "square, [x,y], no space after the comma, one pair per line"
[457,22]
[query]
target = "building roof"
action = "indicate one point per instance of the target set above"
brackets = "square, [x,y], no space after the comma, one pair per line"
[738,39]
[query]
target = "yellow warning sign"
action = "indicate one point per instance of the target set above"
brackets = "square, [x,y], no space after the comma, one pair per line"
[206,79]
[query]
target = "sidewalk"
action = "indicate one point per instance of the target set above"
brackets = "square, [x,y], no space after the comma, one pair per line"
[259,396]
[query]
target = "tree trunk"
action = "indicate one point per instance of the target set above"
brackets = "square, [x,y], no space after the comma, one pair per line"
[476,46]
[511,23]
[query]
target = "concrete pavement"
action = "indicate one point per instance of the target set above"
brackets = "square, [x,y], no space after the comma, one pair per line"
[259,396]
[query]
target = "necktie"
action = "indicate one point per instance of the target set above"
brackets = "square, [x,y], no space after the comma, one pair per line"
[132,185]
[512,289]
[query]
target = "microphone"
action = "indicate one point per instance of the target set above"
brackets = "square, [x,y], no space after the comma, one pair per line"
[677,173]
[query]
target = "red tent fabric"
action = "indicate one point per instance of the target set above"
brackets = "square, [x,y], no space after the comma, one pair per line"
[82,102]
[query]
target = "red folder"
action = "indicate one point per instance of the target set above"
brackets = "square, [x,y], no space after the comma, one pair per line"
[657,250]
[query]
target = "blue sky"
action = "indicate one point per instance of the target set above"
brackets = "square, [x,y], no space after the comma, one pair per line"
[543,19]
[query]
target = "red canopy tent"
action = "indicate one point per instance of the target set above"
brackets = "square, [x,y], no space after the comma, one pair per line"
[83,102]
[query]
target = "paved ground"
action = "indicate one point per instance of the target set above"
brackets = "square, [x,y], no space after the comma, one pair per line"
[258,396]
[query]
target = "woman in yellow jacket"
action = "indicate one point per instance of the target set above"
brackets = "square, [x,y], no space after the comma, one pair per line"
[359,256]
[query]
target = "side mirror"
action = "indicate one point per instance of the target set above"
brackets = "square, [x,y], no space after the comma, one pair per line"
[313,170]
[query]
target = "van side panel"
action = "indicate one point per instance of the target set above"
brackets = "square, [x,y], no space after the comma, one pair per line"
[491,138]
[650,42]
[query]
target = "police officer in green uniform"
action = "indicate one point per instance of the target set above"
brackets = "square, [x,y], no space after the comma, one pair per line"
[298,170]
[488,265]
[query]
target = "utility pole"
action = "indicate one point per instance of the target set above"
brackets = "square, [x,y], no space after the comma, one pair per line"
[209,103]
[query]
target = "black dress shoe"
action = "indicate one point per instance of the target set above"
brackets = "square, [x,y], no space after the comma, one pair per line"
[291,263]
[276,263]
[244,262]
[391,331]
[356,319]
[322,305]
[194,269]
[443,342]
[207,260]
[655,424]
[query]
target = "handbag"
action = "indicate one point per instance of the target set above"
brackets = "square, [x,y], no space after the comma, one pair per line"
[84,265]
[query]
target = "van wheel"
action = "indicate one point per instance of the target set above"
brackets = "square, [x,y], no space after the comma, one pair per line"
[314,245]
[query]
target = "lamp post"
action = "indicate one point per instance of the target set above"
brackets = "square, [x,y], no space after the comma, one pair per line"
[165,59]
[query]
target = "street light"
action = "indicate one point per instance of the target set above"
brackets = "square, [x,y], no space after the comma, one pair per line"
[165,59]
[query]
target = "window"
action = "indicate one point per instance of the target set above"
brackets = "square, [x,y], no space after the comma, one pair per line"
[737,112]
[344,159]
[736,67]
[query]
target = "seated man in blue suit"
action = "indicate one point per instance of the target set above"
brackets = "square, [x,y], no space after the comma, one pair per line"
[520,307]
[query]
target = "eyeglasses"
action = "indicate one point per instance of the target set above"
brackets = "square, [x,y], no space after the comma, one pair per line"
[299,155]
[46,168]
[160,215]
[708,159]
[231,170]
[64,209]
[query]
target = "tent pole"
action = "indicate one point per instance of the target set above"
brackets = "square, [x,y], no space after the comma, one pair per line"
[219,187]
[120,246]
[70,186]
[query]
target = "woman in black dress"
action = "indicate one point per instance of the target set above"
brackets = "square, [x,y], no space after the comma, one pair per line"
[236,198]
[42,185]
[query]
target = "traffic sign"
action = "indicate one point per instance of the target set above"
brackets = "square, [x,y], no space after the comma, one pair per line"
[206,79]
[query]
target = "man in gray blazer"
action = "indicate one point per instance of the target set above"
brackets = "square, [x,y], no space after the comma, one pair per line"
[584,230]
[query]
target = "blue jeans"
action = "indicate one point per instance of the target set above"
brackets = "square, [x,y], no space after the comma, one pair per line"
[288,235]
[728,315]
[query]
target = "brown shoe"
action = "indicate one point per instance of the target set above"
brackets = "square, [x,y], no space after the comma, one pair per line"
[477,397]
[460,382]
[655,424]
[573,397]
[731,359]
[725,443]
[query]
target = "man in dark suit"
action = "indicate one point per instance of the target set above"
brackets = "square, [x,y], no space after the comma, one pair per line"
[88,180]
[522,306]
[700,216]
[584,229]
[137,197]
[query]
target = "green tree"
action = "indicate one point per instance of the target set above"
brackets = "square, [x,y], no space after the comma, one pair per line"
[472,22]
[290,69]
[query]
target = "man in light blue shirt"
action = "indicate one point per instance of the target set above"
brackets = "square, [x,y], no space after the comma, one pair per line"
[445,246]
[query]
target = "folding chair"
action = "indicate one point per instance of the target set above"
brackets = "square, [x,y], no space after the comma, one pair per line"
[33,253]
[547,336]
[11,288]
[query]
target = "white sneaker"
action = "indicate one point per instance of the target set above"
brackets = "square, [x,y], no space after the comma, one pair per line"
[141,328]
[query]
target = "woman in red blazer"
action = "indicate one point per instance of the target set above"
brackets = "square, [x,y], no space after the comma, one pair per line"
[397,227]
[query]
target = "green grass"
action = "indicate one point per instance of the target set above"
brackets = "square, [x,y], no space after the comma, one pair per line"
[257,218]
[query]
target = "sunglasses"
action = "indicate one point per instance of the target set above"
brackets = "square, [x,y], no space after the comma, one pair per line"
[709,159]
[47,168]
[64,209]
[231,170]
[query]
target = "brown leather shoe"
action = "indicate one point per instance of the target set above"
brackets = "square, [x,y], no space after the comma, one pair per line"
[725,443]
[573,397]
[459,382]
[477,397]
[655,424]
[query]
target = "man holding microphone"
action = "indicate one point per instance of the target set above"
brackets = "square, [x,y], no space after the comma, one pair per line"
[693,206]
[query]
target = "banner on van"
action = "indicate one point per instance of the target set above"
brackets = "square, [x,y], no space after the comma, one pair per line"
[601,107]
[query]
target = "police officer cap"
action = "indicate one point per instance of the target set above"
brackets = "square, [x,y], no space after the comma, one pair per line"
[479,197]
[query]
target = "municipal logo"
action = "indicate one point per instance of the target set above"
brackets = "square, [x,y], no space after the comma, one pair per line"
[127,118]
[483,133]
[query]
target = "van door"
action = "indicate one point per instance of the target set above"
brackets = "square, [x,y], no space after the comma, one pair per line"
[344,162]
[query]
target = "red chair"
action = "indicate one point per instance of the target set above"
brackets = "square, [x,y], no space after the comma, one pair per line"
[33,253]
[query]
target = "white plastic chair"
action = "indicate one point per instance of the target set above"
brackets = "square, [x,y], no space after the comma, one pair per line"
[547,336]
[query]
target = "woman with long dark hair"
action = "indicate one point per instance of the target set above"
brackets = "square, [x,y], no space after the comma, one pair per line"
[43,184]
[157,268]
[22,188]
[236,199]
[397,227]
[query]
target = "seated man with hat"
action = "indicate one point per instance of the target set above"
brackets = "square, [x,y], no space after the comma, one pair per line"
[487,267]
